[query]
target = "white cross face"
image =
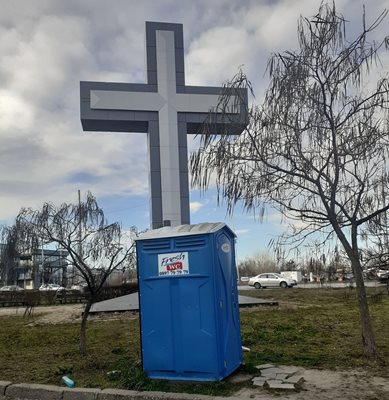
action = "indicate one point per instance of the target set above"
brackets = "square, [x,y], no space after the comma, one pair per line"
[168,103]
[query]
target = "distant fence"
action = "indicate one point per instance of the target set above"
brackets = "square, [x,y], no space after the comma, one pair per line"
[33,298]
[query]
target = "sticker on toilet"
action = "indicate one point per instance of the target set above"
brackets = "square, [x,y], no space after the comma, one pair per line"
[173,264]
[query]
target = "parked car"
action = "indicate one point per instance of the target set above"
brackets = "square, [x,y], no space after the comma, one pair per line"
[11,288]
[79,287]
[271,280]
[51,286]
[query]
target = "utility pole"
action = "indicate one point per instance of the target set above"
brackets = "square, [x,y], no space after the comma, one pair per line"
[385,251]
[43,264]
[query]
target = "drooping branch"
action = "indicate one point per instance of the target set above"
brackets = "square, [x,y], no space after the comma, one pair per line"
[316,149]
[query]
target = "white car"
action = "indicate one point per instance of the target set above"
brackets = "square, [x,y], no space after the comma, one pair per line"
[80,287]
[271,279]
[51,286]
[11,288]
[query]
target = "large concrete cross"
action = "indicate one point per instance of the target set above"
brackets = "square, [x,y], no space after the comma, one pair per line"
[167,110]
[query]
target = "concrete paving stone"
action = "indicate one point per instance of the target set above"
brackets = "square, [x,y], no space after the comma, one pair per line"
[279,385]
[264,366]
[80,393]
[274,381]
[281,377]
[259,381]
[34,392]
[117,394]
[269,376]
[130,302]
[295,379]
[259,378]
[271,372]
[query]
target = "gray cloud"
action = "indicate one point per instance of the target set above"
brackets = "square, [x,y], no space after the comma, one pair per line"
[47,47]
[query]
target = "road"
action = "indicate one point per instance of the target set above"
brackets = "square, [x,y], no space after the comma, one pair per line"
[324,285]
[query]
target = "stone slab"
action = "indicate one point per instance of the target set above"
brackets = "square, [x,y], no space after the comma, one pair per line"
[34,392]
[295,379]
[274,381]
[117,394]
[279,385]
[130,302]
[281,377]
[259,381]
[272,371]
[80,393]
[264,366]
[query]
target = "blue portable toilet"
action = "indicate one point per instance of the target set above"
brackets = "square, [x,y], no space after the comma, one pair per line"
[188,299]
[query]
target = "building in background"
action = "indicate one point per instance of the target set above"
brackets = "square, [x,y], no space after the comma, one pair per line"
[32,269]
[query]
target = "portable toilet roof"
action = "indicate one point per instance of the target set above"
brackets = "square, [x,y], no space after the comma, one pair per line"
[184,230]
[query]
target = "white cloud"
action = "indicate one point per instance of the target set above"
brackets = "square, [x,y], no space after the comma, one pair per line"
[195,206]
[16,114]
[241,232]
[210,61]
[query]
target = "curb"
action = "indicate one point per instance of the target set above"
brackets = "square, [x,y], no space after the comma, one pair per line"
[31,391]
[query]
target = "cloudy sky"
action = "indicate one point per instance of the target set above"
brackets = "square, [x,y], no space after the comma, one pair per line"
[48,46]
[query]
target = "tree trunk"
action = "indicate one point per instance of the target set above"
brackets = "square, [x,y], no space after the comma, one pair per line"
[84,325]
[368,339]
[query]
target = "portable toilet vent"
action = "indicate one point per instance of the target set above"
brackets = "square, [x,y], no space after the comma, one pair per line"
[188,298]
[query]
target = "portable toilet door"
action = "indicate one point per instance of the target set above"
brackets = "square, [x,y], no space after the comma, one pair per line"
[227,293]
[188,299]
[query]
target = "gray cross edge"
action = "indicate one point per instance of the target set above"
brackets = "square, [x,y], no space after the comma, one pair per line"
[120,120]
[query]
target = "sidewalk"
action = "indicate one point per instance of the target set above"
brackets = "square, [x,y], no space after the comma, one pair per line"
[318,385]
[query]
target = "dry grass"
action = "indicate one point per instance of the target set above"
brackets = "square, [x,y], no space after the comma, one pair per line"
[310,328]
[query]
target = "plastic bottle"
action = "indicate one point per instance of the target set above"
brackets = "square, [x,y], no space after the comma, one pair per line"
[67,381]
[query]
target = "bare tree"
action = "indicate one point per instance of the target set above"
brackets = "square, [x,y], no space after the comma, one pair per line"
[316,148]
[258,263]
[95,248]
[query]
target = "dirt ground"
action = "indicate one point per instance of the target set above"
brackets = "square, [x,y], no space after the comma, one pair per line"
[318,384]
[49,314]
[328,385]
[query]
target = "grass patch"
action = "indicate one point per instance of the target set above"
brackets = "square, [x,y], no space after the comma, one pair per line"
[311,328]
